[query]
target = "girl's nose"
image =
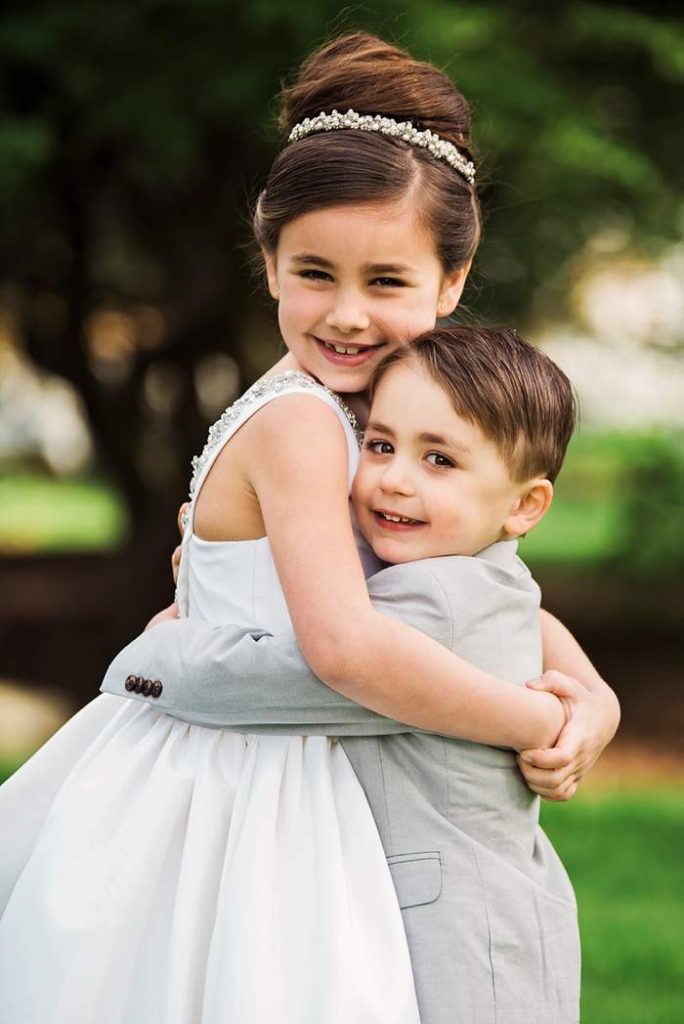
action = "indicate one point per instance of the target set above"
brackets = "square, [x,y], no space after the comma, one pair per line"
[347,314]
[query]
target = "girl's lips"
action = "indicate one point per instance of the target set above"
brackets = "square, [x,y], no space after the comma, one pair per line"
[388,524]
[341,359]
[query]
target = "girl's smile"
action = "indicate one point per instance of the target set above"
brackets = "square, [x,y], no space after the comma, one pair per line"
[354,282]
[341,354]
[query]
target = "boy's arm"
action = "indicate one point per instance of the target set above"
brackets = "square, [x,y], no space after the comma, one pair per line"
[555,773]
[227,677]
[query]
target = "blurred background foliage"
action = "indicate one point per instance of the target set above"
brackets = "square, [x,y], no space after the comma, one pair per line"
[134,137]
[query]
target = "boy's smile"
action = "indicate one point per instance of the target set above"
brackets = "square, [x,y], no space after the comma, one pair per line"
[429,482]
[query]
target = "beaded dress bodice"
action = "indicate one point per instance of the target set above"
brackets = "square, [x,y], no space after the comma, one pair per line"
[236,581]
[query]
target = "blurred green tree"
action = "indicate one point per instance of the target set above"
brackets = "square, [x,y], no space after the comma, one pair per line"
[134,132]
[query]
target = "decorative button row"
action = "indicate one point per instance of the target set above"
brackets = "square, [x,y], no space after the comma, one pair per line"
[147,687]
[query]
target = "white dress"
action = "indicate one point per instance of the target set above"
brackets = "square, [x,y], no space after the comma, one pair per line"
[156,872]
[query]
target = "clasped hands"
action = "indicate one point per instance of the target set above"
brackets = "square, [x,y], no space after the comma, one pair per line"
[554,773]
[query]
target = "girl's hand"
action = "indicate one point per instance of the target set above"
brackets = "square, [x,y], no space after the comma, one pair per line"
[176,556]
[555,773]
[163,616]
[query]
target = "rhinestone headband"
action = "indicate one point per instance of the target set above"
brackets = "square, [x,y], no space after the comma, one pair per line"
[440,148]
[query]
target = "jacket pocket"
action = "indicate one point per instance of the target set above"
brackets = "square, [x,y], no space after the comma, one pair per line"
[417,877]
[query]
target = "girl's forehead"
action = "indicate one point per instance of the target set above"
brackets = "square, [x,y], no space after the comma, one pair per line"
[359,230]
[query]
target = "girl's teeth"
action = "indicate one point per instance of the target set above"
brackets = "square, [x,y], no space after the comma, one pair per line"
[343,350]
[396,519]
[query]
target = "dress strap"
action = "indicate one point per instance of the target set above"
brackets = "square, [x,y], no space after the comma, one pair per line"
[261,393]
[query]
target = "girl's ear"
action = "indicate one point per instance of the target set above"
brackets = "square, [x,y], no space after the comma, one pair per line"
[530,507]
[451,290]
[271,273]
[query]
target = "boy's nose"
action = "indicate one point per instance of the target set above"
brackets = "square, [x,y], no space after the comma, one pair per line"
[396,480]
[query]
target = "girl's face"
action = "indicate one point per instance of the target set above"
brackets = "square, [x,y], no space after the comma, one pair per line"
[354,282]
[429,483]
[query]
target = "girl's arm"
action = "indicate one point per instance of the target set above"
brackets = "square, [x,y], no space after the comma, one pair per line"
[555,773]
[389,667]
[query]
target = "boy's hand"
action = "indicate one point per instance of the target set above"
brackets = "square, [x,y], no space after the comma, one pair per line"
[556,773]
[172,611]
[163,616]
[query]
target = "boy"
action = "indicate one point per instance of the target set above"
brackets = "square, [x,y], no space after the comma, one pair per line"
[467,431]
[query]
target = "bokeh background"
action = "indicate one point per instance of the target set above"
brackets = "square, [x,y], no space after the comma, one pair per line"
[133,138]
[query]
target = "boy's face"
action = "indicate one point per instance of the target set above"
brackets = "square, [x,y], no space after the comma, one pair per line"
[424,464]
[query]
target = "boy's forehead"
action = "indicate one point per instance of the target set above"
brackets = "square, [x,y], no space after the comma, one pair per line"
[407,394]
[408,401]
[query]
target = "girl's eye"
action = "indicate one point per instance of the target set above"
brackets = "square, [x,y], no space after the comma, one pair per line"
[314,275]
[389,282]
[378,447]
[437,459]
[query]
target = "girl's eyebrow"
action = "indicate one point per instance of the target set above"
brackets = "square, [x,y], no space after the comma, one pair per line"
[387,268]
[311,259]
[368,268]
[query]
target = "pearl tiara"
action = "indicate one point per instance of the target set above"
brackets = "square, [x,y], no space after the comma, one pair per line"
[404,130]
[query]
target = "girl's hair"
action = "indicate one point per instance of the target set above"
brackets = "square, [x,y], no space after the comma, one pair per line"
[518,397]
[364,73]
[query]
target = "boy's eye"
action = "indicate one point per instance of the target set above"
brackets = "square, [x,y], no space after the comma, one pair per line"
[437,459]
[378,447]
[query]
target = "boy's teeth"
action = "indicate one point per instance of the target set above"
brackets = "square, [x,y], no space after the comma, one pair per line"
[343,350]
[396,519]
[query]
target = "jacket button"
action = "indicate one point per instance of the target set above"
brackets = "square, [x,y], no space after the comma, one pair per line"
[156,688]
[130,683]
[138,684]
[146,688]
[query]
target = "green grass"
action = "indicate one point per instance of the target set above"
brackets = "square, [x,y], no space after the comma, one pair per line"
[575,533]
[625,855]
[40,513]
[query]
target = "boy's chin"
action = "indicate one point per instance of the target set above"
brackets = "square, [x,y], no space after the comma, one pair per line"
[393,553]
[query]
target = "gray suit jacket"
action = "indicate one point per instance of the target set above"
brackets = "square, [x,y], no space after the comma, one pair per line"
[488,908]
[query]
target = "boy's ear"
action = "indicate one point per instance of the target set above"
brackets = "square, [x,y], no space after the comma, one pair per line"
[271,273]
[530,507]
[452,289]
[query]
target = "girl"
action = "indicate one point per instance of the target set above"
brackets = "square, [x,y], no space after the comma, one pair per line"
[175,873]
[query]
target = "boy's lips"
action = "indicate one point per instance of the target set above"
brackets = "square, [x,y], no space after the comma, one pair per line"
[388,520]
[346,353]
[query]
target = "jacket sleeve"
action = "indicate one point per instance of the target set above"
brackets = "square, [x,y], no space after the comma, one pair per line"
[231,678]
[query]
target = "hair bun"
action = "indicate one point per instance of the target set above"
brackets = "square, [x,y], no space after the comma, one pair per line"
[368,75]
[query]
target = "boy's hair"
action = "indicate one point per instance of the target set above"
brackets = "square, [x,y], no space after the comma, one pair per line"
[511,390]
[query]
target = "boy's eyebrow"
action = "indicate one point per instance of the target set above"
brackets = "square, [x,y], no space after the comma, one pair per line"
[426,437]
[445,441]
[379,427]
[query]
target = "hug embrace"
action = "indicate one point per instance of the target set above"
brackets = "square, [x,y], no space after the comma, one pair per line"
[313,796]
